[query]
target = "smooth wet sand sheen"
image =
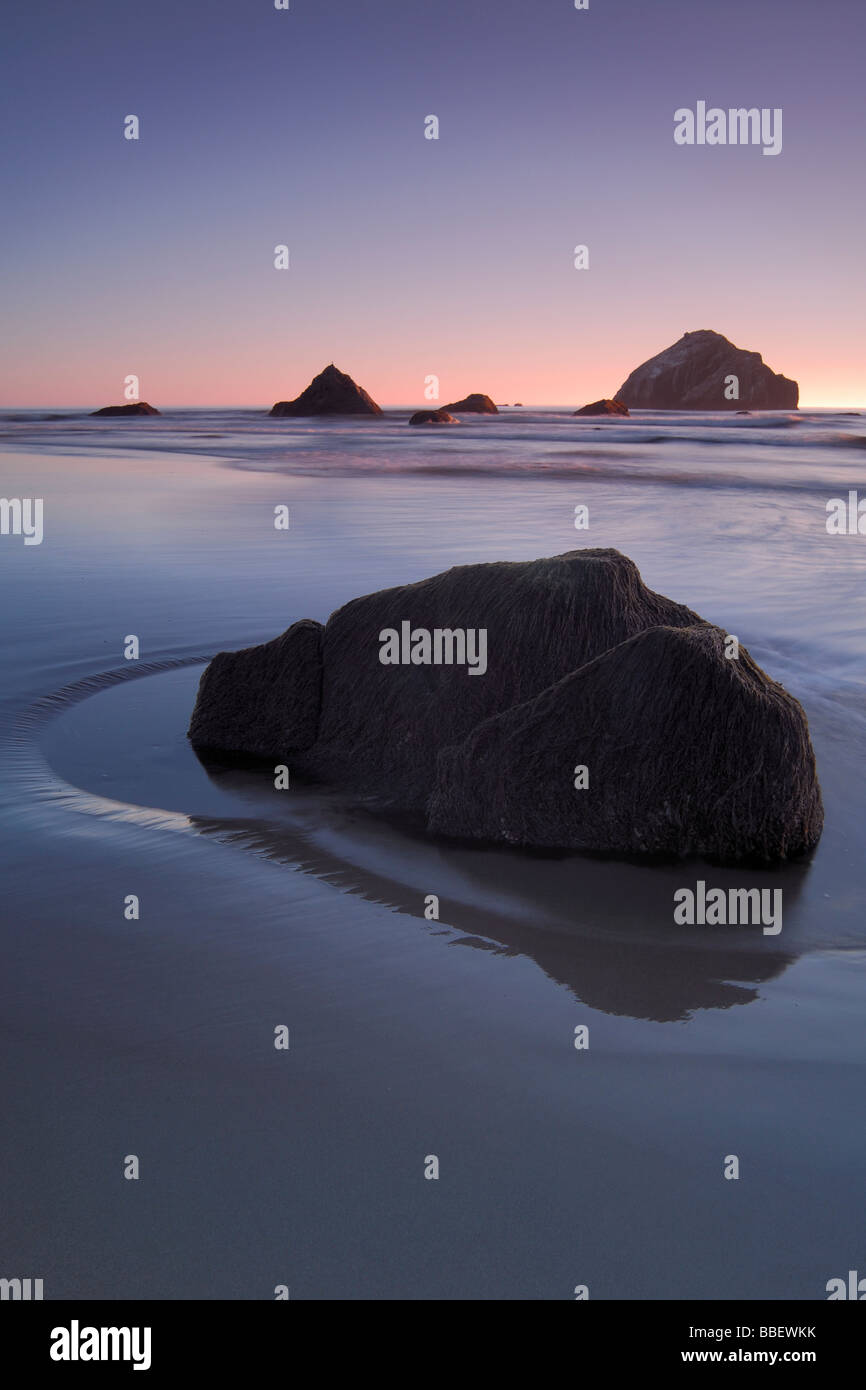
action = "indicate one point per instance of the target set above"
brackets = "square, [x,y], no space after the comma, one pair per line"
[408,1037]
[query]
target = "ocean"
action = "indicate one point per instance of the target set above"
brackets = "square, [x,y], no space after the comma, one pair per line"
[411,1038]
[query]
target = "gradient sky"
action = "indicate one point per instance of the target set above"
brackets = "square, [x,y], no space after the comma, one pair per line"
[411,256]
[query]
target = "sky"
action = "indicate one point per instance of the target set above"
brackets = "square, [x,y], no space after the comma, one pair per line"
[411,257]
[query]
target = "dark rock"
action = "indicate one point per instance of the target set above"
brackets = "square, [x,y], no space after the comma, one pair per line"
[382,726]
[263,700]
[433,417]
[604,407]
[520,403]
[135,408]
[476,404]
[687,752]
[690,375]
[332,392]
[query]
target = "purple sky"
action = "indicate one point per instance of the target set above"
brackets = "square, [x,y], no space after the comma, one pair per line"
[413,257]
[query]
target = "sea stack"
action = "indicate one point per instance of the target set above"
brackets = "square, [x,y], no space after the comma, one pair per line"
[136,408]
[332,392]
[704,371]
[604,407]
[476,404]
[469,701]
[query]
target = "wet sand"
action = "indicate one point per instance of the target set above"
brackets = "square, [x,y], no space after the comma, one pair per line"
[409,1037]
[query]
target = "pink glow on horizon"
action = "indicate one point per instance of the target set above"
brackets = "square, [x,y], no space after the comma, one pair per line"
[216,373]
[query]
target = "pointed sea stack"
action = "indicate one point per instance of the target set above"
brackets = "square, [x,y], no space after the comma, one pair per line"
[136,408]
[694,374]
[476,404]
[332,392]
[398,699]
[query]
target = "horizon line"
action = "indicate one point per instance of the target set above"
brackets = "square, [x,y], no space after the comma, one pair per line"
[432,405]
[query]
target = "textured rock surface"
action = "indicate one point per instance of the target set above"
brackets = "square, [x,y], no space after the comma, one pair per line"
[332,392]
[433,417]
[688,751]
[604,407]
[690,375]
[383,727]
[476,404]
[135,408]
[265,700]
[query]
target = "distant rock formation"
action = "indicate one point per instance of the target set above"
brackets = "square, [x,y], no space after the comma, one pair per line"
[605,407]
[433,417]
[332,392]
[693,374]
[688,751]
[135,408]
[476,404]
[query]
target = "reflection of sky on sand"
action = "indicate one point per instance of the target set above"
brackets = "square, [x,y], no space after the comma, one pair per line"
[156,1036]
[603,928]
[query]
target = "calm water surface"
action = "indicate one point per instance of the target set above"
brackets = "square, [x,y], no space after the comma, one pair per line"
[408,1037]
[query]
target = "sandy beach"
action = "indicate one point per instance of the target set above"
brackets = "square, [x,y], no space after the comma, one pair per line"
[409,1037]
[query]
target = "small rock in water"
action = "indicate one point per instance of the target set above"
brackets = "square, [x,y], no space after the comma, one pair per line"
[605,407]
[476,404]
[135,408]
[433,417]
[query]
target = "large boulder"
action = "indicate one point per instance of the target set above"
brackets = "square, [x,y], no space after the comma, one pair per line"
[332,392]
[135,408]
[433,417]
[604,407]
[686,752]
[692,375]
[381,727]
[580,663]
[476,404]
[264,700]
